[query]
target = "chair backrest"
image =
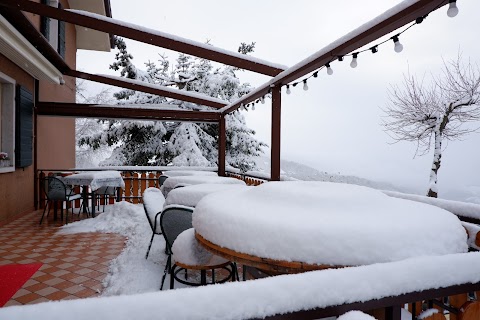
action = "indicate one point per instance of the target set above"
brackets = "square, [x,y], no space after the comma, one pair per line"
[153,201]
[175,220]
[161,180]
[106,191]
[54,189]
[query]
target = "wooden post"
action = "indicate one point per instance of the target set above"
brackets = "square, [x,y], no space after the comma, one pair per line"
[221,146]
[457,301]
[276,131]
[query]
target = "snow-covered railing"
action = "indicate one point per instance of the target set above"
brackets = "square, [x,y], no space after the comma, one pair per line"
[469,212]
[310,295]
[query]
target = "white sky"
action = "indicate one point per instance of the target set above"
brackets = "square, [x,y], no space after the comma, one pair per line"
[334,126]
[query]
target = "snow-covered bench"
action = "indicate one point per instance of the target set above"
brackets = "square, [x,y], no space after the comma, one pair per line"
[309,295]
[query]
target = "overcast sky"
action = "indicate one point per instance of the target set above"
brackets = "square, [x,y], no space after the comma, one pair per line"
[335,125]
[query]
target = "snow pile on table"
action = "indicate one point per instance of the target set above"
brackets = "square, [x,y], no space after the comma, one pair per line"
[178,173]
[172,182]
[326,223]
[130,272]
[464,209]
[355,315]
[191,195]
[269,296]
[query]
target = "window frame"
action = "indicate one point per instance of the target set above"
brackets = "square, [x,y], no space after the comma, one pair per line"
[8,120]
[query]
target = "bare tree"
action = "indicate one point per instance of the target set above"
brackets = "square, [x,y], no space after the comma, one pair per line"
[422,113]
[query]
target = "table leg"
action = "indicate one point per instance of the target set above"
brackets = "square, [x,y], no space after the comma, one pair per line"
[85,198]
[94,203]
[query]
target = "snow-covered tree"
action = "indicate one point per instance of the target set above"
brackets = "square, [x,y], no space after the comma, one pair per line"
[180,144]
[429,115]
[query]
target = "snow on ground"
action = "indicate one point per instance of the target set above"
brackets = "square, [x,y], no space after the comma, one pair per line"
[356,225]
[129,273]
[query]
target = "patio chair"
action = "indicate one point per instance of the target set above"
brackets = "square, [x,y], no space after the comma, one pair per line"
[153,201]
[161,180]
[185,253]
[55,190]
[104,193]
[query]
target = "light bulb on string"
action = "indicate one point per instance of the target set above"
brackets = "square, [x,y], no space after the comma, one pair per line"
[452,8]
[262,99]
[354,62]
[305,86]
[253,107]
[288,89]
[398,46]
[329,69]
[374,49]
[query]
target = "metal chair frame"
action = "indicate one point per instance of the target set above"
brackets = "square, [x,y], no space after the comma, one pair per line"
[56,190]
[185,222]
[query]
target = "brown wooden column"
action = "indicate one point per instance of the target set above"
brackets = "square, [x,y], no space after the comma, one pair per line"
[276,131]
[221,146]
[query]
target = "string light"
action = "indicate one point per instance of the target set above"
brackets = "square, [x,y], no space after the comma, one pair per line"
[452,8]
[329,69]
[354,62]
[398,46]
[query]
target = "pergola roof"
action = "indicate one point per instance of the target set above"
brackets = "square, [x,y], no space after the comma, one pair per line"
[398,16]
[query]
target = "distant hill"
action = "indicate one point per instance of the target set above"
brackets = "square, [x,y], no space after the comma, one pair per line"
[291,170]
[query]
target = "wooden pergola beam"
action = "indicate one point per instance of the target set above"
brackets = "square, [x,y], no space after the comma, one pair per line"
[122,112]
[111,26]
[400,15]
[150,88]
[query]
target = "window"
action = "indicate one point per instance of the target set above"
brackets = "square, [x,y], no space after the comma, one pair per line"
[54,30]
[7,122]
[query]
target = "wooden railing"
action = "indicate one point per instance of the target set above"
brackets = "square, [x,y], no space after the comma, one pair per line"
[135,183]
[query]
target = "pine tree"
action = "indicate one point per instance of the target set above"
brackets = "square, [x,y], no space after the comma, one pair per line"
[179,144]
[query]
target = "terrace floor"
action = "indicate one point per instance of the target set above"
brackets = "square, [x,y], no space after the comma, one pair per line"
[74,265]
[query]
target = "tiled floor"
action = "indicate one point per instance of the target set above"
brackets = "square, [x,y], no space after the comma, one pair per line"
[74,265]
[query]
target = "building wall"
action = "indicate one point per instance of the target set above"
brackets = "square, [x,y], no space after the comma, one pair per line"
[16,188]
[56,136]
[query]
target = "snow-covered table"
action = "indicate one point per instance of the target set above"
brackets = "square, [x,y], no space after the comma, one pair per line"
[172,182]
[95,180]
[190,195]
[299,226]
[178,173]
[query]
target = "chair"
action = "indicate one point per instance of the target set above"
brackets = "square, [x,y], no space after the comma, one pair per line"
[55,190]
[104,193]
[161,180]
[153,201]
[186,252]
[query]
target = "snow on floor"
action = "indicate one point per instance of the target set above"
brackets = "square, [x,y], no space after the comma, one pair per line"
[129,273]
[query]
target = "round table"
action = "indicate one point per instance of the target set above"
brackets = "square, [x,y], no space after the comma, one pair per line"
[190,195]
[176,181]
[289,227]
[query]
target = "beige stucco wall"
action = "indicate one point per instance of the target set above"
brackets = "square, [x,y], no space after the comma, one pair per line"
[16,188]
[56,136]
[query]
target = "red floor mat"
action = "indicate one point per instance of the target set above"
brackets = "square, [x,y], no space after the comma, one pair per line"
[12,278]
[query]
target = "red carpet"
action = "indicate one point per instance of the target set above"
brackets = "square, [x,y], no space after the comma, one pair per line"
[12,278]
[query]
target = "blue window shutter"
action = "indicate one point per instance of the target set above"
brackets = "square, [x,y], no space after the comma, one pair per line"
[23,128]
[61,36]
[45,24]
